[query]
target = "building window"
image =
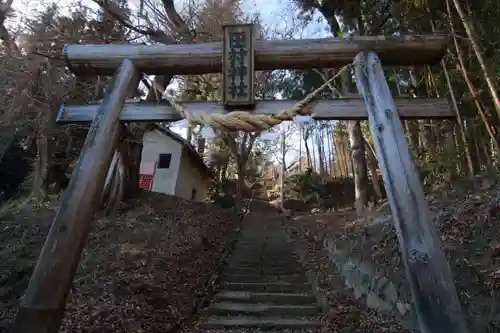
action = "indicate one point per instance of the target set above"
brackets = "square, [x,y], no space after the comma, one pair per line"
[193,194]
[164,161]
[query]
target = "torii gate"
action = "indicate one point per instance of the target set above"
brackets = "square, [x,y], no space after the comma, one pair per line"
[436,303]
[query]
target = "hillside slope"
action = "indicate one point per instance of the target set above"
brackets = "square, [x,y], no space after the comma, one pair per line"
[140,271]
[467,216]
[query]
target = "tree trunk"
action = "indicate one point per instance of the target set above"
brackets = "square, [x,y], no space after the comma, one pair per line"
[158,87]
[372,165]
[425,128]
[329,148]
[413,133]
[131,151]
[283,170]
[308,153]
[313,154]
[200,145]
[300,148]
[359,166]
[321,154]
[223,172]
[427,138]
[459,143]
[240,186]
[344,157]
[486,153]
[358,156]
[460,120]
[410,126]
[41,166]
[339,158]
[189,135]
[473,93]
[44,175]
[451,147]
[471,143]
[10,44]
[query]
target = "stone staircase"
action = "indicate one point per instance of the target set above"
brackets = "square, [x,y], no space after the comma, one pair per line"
[260,192]
[263,286]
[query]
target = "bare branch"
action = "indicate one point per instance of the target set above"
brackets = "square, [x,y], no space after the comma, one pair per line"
[156,35]
[10,44]
[4,8]
[332,88]
[174,16]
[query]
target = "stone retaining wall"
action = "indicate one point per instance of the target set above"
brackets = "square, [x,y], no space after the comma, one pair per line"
[364,279]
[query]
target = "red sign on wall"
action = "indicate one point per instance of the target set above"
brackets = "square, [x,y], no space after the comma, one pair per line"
[146,182]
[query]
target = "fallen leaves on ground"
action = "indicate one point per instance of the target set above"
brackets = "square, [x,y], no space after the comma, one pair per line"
[346,313]
[140,271]
[467,216]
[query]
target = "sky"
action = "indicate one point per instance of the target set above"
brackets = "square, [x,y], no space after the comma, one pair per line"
[276,15]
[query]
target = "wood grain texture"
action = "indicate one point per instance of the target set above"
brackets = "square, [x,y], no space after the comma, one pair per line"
[431,282]
[44,300]
[350,108]
[203,58]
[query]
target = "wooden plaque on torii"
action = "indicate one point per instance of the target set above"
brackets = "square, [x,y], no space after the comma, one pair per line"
[238,67]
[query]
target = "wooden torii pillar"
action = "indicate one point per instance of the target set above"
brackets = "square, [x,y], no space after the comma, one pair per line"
[434,294]
[436,301]
[43,304]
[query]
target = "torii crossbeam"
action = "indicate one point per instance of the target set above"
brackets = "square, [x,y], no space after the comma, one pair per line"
[204,58]
[338,109]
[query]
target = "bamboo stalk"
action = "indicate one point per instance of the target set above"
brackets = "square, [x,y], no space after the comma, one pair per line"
[474,42]
[459,120]
[472,90]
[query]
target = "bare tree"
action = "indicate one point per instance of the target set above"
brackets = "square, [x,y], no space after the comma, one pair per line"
[10,44]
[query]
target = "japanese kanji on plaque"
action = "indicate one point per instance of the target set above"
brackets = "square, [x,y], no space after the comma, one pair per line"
[238,66]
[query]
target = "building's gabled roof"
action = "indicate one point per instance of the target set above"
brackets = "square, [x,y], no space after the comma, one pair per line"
[193,155]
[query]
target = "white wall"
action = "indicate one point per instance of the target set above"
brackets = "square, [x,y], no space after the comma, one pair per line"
[154,144]
[189,178]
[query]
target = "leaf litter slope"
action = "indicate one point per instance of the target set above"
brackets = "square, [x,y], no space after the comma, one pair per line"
[140,271]
[467,216]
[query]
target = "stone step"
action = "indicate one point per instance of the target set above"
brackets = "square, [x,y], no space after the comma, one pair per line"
[260,323]
[263,265]
[274,243]
[280,248]
[259,270]
[266,297]
[283,261]
[259,254]
[260,310]
[272,287]
[264,278]
[266,270]
[262,261]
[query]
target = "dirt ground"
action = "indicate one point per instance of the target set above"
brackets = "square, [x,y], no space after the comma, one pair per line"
[467,215]
[141,271]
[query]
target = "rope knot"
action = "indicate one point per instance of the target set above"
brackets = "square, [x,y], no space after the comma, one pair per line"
[248,121]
